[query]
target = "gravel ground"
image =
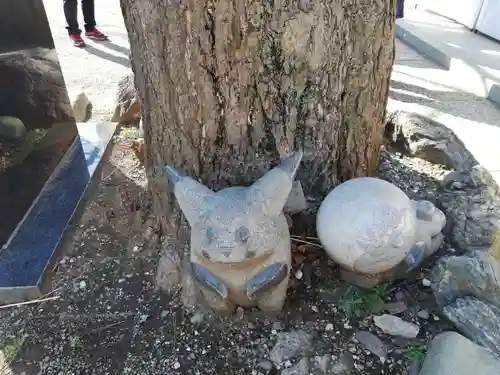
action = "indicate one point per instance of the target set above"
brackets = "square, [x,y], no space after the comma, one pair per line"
[109,318]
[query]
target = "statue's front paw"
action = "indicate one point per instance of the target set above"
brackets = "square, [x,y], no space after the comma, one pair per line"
[266,279]
[209,280]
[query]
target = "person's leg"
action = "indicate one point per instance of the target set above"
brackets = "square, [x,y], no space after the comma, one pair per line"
[89,18]
[71,15]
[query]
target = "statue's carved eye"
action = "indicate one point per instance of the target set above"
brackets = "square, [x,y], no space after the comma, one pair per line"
[210,234]
[242,234]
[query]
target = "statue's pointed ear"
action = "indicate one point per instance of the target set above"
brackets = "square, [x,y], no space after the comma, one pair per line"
[191,195]
[271,190]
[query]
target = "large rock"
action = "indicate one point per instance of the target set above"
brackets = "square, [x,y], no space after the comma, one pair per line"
[11,128]
[33,88]
[128,108]
[289,345]
[475,274]
[477,320]
[82,108]
[427,139]
[452,354]
[471,202]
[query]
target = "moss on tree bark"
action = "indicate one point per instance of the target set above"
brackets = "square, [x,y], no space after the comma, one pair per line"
[228,87]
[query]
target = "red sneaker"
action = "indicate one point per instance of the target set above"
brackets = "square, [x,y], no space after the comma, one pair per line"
[77,40]
[96,35]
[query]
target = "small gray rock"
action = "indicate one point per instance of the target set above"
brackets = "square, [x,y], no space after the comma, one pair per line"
[265,365]
[11,128]
[372,343]
[343,366]
[423,314]
[289,345]
[395,307]
[475,274]
[301,368]
[296,201]
[321,363]
[477,320]
[452,354]
[395,326]
[473,210]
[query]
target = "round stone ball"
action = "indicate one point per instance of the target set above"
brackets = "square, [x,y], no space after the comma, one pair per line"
[367,225]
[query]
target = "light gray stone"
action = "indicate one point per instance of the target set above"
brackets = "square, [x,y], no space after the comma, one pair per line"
[423,314]
[477,320]
[474,274]
[243,226]
[372,343]
[11,128]
[301,368]
[128,108]
[395,326]
[344,365]
[425,138]
[471,202]
[452,354]
[82,107]
[265,365]
[372,229]
[322,363]
[289,345]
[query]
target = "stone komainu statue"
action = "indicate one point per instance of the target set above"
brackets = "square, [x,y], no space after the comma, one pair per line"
[240,243]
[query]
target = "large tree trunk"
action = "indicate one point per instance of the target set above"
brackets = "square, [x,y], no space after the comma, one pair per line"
[227,87]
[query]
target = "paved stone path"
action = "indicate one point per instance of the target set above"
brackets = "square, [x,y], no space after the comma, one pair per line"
[475,120]
[97,68]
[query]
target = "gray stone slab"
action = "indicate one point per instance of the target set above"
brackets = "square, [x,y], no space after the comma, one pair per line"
[453,354]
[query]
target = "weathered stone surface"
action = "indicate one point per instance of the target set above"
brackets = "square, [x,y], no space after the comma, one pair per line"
[33,88]
[296,201]
[471,202]
[370,227]
[425,138]
[11,128]
[240,244]
[477,320]
[372,343]
[301,368]
[395,307]
[344,365]
[128,107]
[395,326]
[289,345]
[475,274]
[452,354]
[82,108]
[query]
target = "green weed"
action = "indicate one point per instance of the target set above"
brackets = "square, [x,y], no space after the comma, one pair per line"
[415,353]
[356,301]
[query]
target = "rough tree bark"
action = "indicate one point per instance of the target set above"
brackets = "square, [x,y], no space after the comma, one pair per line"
[227,87]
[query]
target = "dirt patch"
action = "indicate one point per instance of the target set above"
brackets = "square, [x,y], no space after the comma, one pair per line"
[110,319]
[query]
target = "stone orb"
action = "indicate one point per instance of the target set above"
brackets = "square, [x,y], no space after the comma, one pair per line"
[367,225]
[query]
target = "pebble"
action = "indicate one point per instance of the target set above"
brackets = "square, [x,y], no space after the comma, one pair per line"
[177,365]
[423,314]
[299,275]
[329,327]
[372,343]
[395,326]
[426,282]
[83,284]
[265,365]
